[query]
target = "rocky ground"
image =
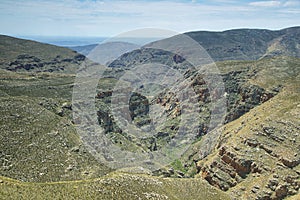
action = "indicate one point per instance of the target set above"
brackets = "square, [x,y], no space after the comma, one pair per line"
[254,159]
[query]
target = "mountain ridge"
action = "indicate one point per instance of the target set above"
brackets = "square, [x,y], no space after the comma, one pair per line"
[241,44]
[31,56]
[272,43]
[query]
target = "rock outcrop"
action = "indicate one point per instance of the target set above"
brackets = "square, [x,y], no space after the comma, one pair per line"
[257,157]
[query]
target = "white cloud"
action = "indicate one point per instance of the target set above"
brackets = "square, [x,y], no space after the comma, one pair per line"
[112,17]
[265,3]
[292,3]
[291,11]
[226,1]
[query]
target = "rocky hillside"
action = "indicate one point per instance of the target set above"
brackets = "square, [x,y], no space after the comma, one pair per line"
[29,56]
[239,44]
[38,141]
[261,106]
[247,44]
[257,156]
[242,95]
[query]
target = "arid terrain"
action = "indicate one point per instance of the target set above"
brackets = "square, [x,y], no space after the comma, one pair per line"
[253,154]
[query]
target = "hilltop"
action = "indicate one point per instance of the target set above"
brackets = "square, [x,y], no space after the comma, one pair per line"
[249,44]
[31,56]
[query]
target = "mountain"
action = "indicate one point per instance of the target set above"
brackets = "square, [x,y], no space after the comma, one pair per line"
[256,155]
[246,44]
[30,56]
[38,140]
[249,85]
[84,50]
[239,44]
[105,52]
[253,155]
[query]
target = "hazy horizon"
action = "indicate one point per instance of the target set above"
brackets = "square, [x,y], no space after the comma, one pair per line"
[72,41]
[109,18]
[108,36]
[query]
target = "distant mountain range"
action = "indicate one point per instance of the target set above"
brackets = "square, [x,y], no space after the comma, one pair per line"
[239,44]
[249,44]
[65,41]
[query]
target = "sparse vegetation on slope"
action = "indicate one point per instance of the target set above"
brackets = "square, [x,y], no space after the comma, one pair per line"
[114,186]
[30,56]
[38,141]
[257,155]
[38,145]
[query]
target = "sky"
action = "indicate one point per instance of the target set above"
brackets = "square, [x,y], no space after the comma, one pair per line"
[108,18]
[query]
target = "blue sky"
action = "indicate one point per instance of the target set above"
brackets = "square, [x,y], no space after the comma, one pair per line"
[108,18]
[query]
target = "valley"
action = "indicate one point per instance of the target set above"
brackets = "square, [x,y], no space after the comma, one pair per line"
[252,154]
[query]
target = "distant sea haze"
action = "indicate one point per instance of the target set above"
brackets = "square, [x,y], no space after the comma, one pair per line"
[66,41]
